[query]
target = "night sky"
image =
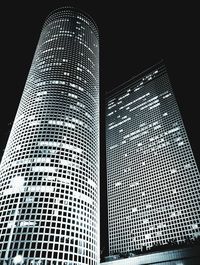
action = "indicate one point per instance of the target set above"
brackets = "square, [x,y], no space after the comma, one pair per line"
[134,35]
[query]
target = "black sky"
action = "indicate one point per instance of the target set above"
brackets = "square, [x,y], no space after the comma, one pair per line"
[133,36]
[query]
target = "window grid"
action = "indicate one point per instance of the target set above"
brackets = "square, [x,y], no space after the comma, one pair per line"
[153,182]
[49,178]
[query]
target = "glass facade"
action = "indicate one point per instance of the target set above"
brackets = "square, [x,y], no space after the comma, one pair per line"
[49,174]
[185,256]
[152,177]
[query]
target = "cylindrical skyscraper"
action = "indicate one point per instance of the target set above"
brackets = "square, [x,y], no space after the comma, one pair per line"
[49,176]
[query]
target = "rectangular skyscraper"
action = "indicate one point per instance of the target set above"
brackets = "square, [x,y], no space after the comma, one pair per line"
[153,181]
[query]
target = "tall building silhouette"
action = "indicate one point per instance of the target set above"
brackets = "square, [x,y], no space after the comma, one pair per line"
[153,182]
[49,175]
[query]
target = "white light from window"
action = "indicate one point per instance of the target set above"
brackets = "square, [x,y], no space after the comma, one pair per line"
[18,259]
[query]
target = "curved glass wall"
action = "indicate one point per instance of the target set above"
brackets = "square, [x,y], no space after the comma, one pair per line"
[49,175]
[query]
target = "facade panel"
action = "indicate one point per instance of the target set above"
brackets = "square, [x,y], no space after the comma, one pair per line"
[152,178]
[50,168]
